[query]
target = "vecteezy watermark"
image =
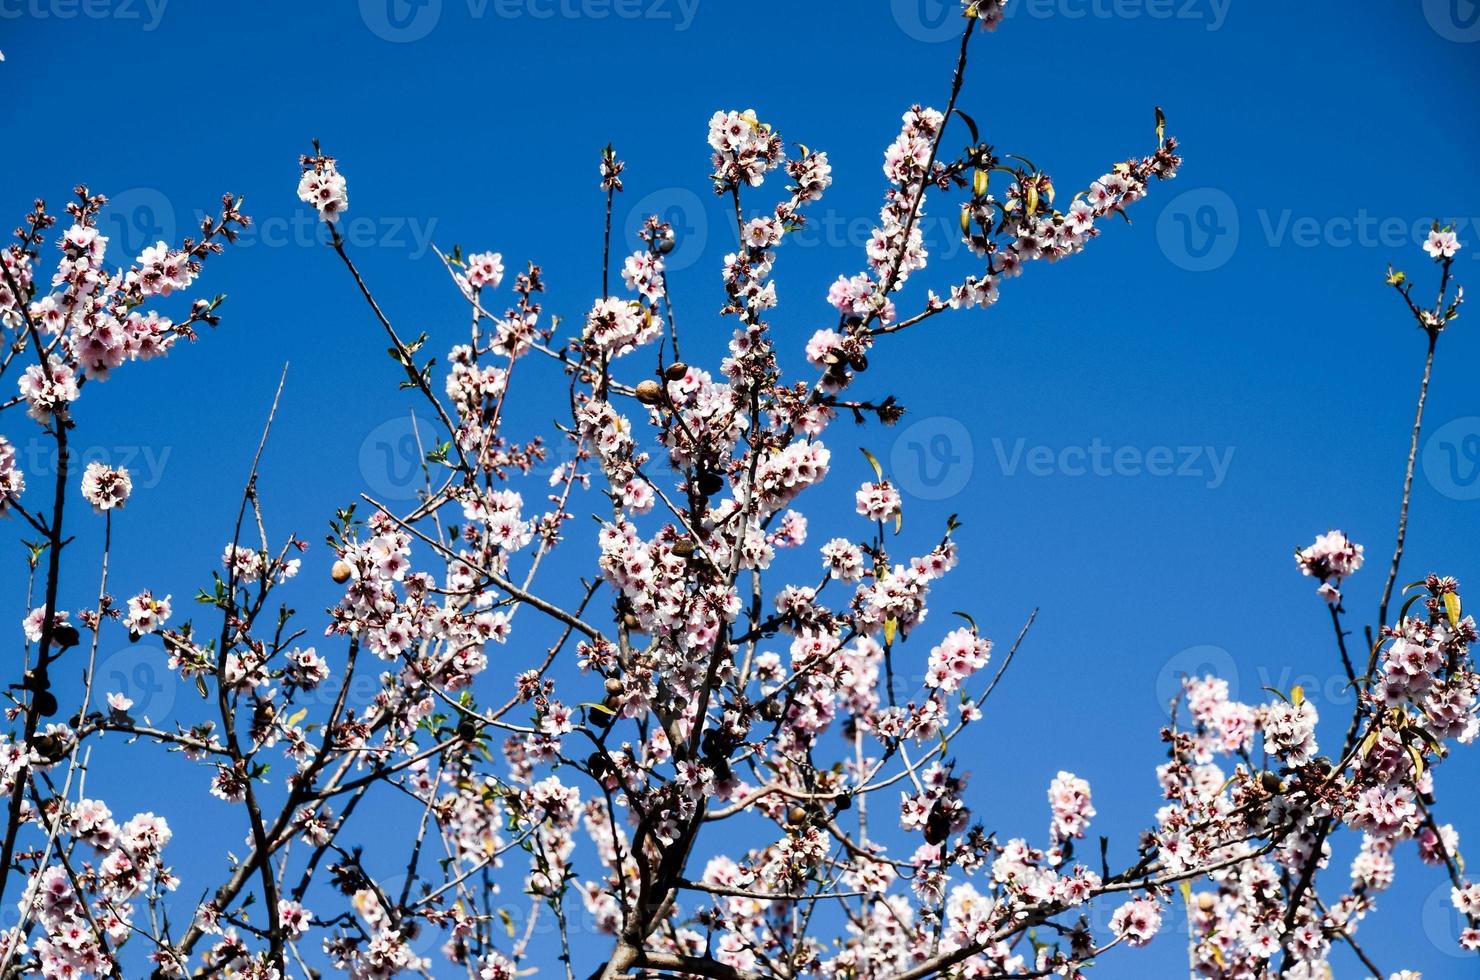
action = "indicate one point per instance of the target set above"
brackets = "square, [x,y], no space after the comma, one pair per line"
[1443,923]
[404,21]
[1195,662]
[1454,20]
[1199,230]
[304,229]
[37,458]
[1451,459]
[146,13]
[933,21]
[1329,689]
[137,218]
[140,217]
[832,229]
[932,459]
[393,456]
[684,211]
[141,674]
[1209,464]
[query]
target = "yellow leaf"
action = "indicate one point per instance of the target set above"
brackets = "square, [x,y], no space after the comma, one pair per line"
[1033,198]
[1297,695]
[979,183]
[891,627]
[1452,607]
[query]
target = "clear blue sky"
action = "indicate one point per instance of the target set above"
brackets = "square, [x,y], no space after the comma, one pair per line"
[1243,313]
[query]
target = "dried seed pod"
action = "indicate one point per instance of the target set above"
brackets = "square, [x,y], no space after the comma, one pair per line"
[341,571]
[937,826]
[710,483]
[45,703]
[649,392]
[683,547]
[676,371]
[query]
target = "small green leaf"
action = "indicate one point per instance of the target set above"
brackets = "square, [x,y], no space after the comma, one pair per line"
[971,125]
[878,470]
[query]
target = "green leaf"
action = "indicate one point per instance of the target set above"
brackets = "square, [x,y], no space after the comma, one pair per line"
[878,470]
[971,125]
[1161,124]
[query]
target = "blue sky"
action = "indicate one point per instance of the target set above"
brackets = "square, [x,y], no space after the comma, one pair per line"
[1233,357]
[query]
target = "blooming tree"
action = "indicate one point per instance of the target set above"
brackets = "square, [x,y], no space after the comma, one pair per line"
[709,699]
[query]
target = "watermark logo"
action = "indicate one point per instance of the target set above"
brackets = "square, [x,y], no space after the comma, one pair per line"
[136,219]
[393,454]
[401,21]
[147,13]
[146,464]
[1443,924]
[1195,662]
[930,21]
[1454,20]
[681,208]
[1097,458]
[935,21]
[139,673]
[1199,229]
[1451,459]
[932,459]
